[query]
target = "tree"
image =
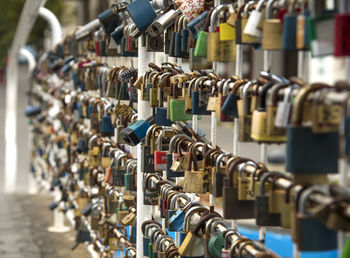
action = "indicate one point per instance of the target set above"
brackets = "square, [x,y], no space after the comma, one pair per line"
[10,12]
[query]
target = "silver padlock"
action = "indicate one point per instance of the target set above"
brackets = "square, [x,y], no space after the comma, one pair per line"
[163,22]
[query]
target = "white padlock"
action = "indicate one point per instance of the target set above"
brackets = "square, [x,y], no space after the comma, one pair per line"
[251,27]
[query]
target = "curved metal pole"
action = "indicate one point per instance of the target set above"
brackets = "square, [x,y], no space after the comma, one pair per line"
[55,26]
[30,58]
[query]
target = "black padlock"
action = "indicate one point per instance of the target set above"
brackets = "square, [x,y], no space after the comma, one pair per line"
[263,216]
[234,208]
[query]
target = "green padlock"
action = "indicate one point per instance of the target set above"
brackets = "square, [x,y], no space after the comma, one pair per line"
[177,110]
[216,242]
[200,49]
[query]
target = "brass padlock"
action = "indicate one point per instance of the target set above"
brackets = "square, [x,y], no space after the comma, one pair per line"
[272,30]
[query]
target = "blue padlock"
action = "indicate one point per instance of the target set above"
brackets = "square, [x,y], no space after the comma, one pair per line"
[109,21]
[230,105]
[134,134]
[107,128]
[117,34]
[161,117]
[142,13]
[289,35]
[197,24]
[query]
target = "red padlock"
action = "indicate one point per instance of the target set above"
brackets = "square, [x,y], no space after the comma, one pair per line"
[342,28]
[160,156]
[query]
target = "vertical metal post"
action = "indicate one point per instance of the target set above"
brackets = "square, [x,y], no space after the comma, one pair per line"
[144,111]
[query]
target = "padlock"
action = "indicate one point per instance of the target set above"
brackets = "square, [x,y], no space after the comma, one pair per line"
[234,208]
[230,106]
[176,215]
[319,21]
[200,98]
[219,174]
[134,133]
[150,196]
[223,51]
[247,39]
[245,183]
[108,20]
[162,22]
[154,44]
[312,234]
[289,37]
[263,216]
[177,110]
[341,26]
[141,13]
[129,218]
[201,47]
[252,26]
[271,109]
[161,118]
[303,145]
[284,108]
[259,117]
[193,179]
[222,95]
[245,120]
[228,238]
[94,152]
[192,245]
[216,242]
[147,164]
[130,174]
[181,37]
[197,24]
[160,155]
[169,156]
[118,169]
[95,116]
[107,129]
[272,30]
[147,237]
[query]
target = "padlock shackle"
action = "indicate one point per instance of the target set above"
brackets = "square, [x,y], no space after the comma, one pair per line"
[269,9]
[235,244]
[176,198]
[228,237]
[130,164]
[159,239]
[245,96]
[150,226]
[162,190]
[156,233]
[243,165]
[260,5]
[232,168]
[265,177]
[118,160]
[198,81]
[190,213]
[263,94]
[173,141]
[226,85]
[215,14]
[273,97]
[148,177]
[300,99]
[208,225]
[219,159]
[203,221]
[148,134]
[246,8]
[221,222]
[305,195]
[92,141]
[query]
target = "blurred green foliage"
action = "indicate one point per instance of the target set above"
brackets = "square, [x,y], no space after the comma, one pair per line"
[10,11]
